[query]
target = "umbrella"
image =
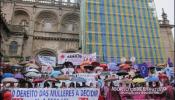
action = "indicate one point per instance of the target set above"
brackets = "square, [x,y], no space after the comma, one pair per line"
[138,80]
[51,79]
[158,68]
[55,74]
[110,79]
[90,67]
[125,66]
[152,78]
[95,63]
[9,80]
[32,65]
[128,62]
[120,73]
[63,77]
[105,73]
[113,66]
[32,74]
[103,66]
[33,70]
[98,68]
[5,75]
[67,64]
[127,81]
[78,79]
[37,80]
[85,63]
[17,67]
[19,76]
[24,63]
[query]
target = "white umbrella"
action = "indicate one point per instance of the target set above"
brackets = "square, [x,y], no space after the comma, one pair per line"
[32,65]
[32,74]
[10,79]
[98,68]
[32,70]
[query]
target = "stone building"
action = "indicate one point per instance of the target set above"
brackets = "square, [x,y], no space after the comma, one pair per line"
[4,35]
[51,26]
[166,35]
[12,40]
[48,27]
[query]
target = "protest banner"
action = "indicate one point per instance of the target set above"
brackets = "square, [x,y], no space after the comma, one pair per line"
[55,94]
[90,77]
[47,60]
[75,58]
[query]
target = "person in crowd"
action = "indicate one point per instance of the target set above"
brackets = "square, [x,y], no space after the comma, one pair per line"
[7,95]
[169,93]
[72,85]
[63,85]
[137,96]
[35,85]
[1,94]
[78,69]
[91,85]
[1,75]
[113,95]
[160,96]
[46,85]
[106,89]
[84,84]
[101,95]
[77,85]
[54,85]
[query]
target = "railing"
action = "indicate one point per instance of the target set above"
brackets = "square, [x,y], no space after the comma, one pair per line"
[66,3]
[56,35]
[163,21]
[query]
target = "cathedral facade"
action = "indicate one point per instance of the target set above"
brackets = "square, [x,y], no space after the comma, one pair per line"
[50,27]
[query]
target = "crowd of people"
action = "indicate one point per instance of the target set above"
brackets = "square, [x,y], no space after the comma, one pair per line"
[115,81]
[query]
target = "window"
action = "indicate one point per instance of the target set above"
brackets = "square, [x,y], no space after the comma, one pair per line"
[13,48]
[47,24]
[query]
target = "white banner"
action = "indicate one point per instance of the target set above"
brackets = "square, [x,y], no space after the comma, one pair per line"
[90,77]
[75,58]
[55,94]
[47,60]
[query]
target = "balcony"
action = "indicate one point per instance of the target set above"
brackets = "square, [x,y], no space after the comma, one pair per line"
[56,36]
[62,3]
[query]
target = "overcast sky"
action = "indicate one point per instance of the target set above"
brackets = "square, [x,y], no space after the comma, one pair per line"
[168,6]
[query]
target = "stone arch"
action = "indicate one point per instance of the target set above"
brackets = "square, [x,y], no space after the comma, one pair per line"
[47,21]
[70,22]
[27,11]
[20,16]
[46,51]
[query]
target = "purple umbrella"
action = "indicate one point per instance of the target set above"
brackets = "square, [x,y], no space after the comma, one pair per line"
[113,67]
[19,76]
